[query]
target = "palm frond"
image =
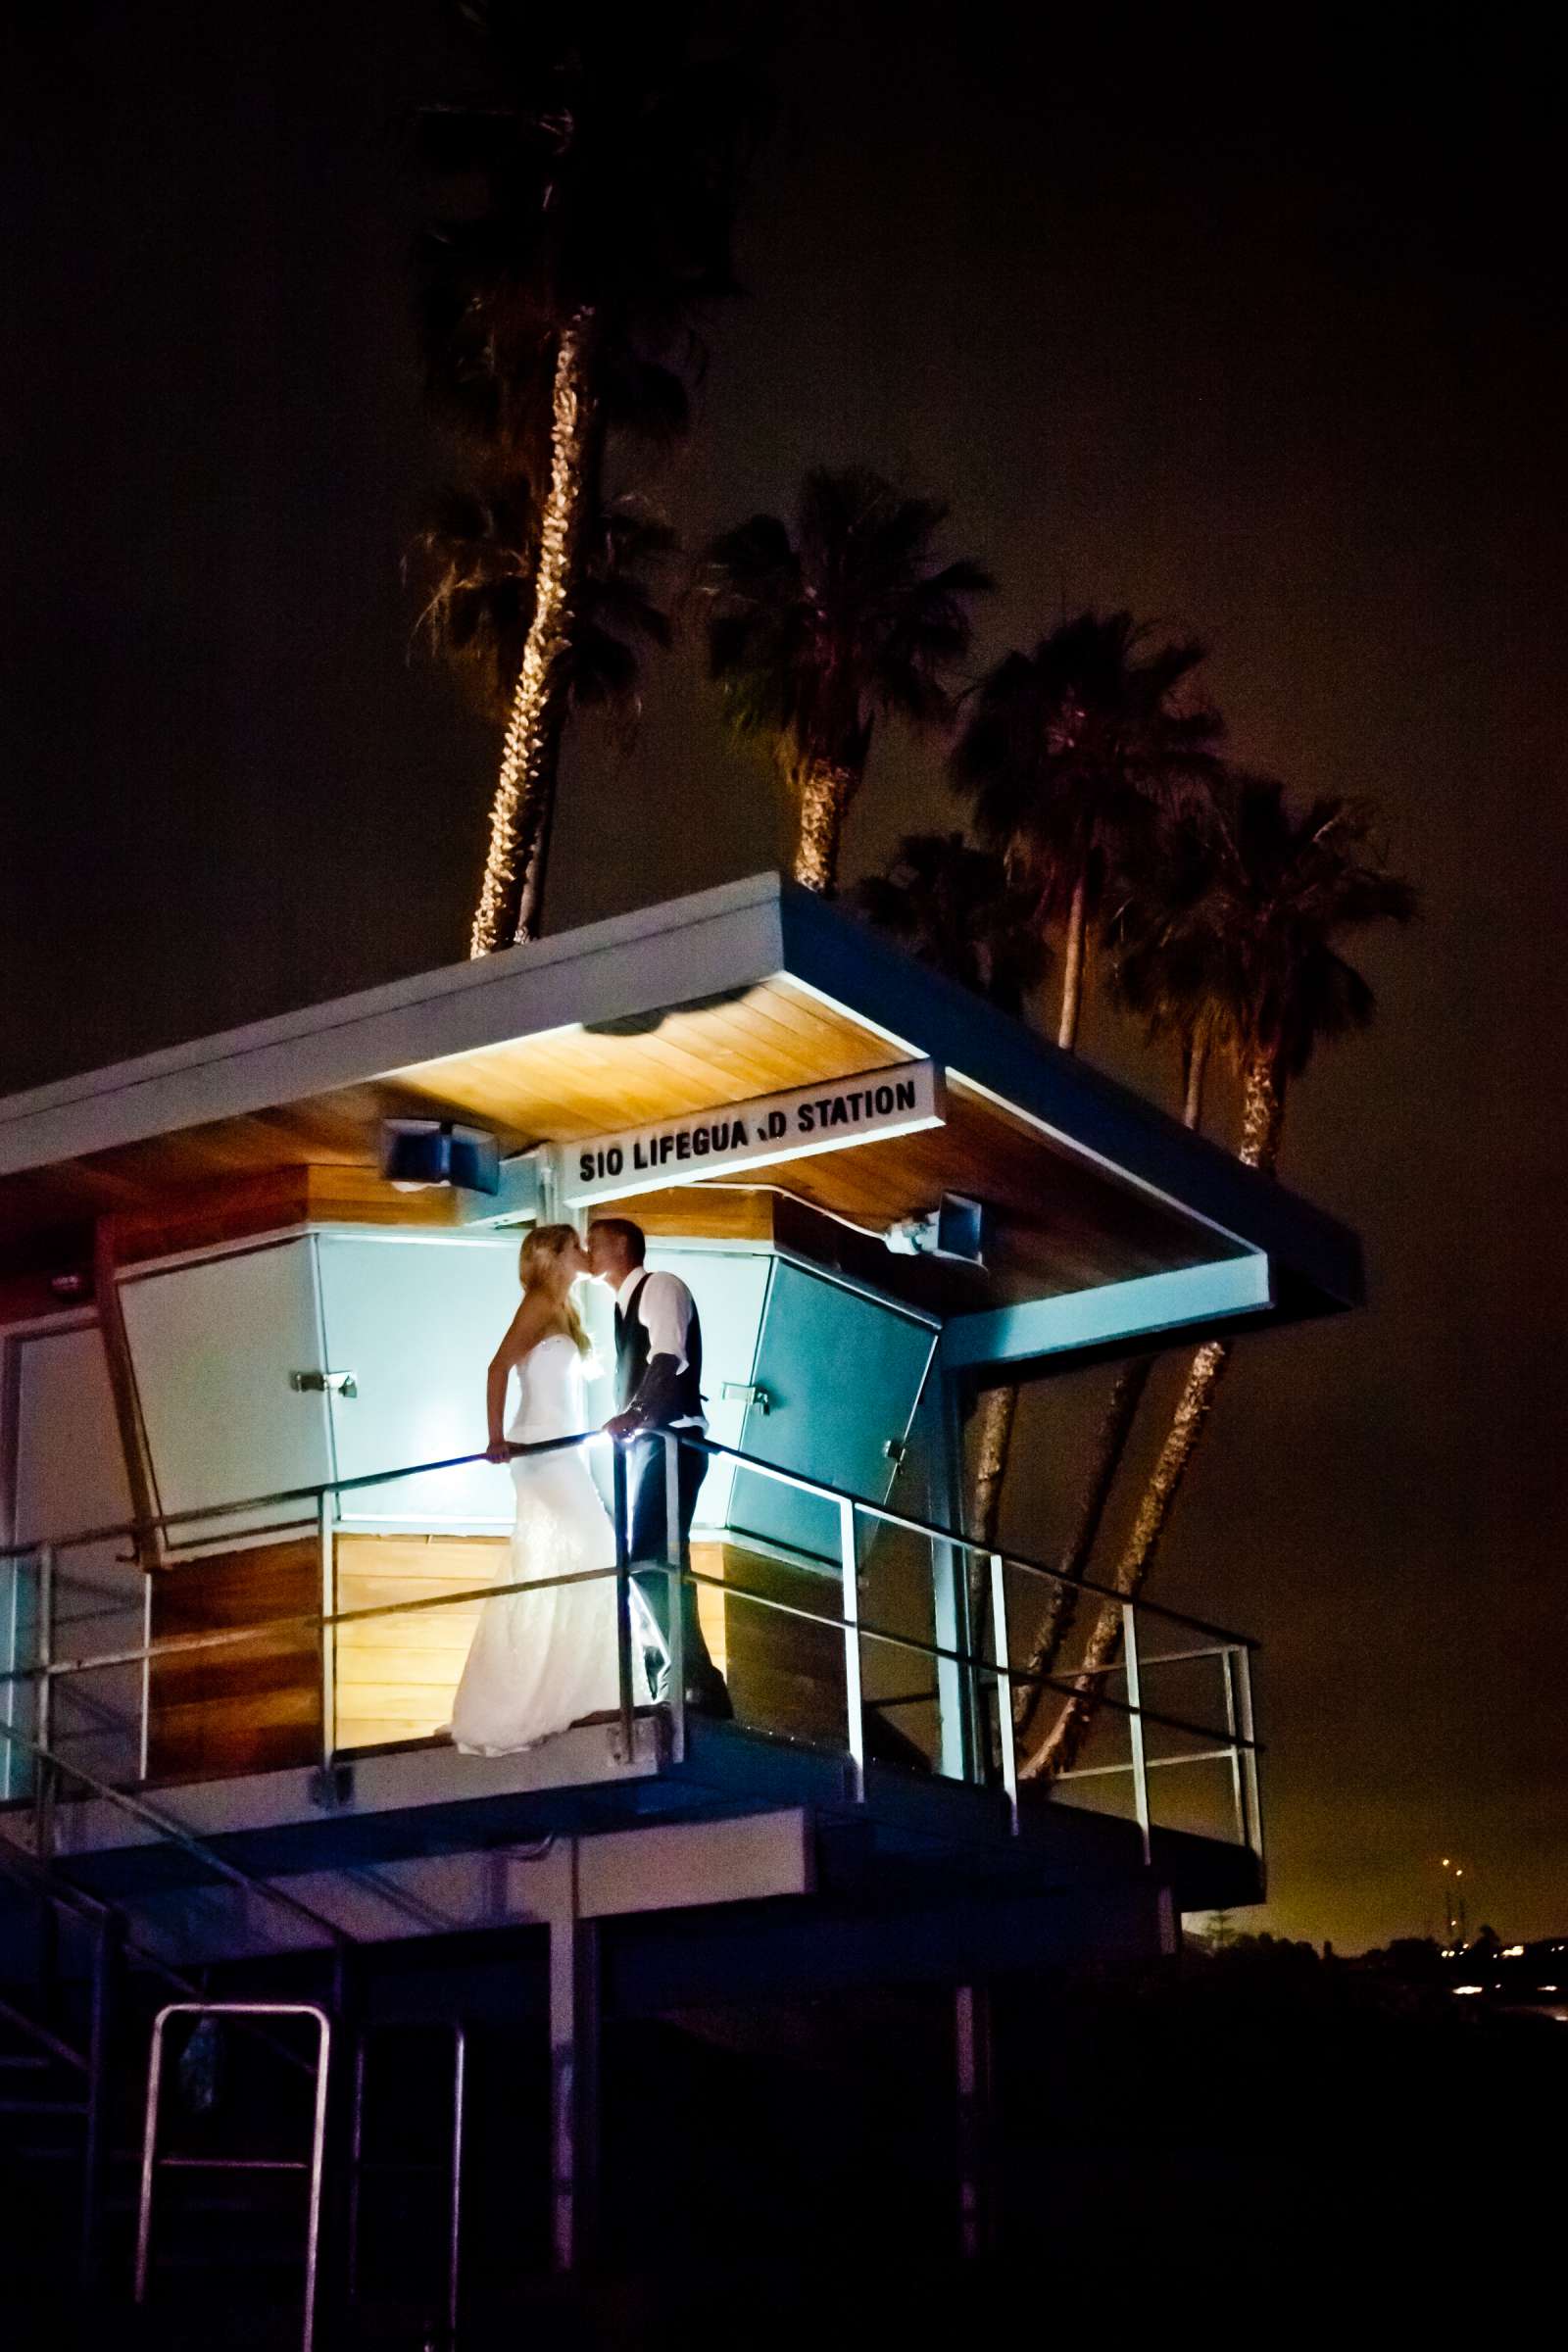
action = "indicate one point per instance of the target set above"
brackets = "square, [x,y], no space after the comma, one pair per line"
[952,905]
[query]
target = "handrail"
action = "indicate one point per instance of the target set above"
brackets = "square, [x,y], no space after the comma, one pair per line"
[177,1833]
[926,1529]
[233,1637]
[15,1862]
[1230,1650]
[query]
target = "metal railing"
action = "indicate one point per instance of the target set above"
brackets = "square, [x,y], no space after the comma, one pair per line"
[963,1666]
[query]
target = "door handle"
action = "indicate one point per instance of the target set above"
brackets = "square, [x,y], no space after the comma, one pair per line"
[339,1384]
[745,1392]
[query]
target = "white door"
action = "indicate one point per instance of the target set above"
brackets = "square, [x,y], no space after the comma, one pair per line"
[415,1321]
[217,1347]
[729,1287]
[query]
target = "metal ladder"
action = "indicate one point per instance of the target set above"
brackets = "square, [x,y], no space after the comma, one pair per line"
[114,1944]
[446,2166]
[152,2161]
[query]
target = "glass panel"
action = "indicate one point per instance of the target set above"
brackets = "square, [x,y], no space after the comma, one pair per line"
[18,1648]
[842,1374]
[416,1322]
[70,1476]
[214,1346]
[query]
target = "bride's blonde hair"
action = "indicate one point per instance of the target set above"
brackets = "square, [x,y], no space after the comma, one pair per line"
[541,1251]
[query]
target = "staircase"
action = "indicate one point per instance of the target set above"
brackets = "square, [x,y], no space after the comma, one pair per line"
[209,2214]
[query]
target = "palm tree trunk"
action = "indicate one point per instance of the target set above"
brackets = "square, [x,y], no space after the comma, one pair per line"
[996,1415]
[1262,1112]
[1115,1429]
[1058,1751]
[523,806]
[825,793]
[1262,1119]
[1192,1077]
[1061,1609]
[1072,965]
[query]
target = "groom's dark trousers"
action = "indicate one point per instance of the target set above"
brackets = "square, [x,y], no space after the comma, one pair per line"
[649,1539]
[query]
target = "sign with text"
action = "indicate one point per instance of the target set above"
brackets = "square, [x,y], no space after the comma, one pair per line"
[826,1117]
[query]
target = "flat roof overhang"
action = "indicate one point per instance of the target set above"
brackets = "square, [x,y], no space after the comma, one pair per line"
[686,1008]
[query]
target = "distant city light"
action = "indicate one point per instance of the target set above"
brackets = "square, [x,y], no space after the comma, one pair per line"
[1514,1951]
[1469,1989]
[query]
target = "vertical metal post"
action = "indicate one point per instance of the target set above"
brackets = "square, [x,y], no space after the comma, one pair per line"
[574,2074]
[1135,1723]
[356,2169]
[853,1698]
[460,2092]
[105,1988]
[961,1748]
[1002,1659]
[1248,1735]
[976,2089]
[313,2243]
[617,1482]
[326,1545]
[1227,1675]
[145,1739]
[677,1588]
[149,2155]
[43,1795]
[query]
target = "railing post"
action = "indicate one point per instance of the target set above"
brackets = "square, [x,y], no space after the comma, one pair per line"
[854,1700]
[149,2154]
[1248,1735]
[106,1961]
[1002,1655]
[1227,1674]
[618,1483]
[144,1740]
[676,1589]
[1135,1724]
[326,1545]
[43,1795]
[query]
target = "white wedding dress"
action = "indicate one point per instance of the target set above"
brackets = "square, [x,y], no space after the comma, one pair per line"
[543,1660]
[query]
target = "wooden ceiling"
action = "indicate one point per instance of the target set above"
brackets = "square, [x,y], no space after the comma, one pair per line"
[1064,1222]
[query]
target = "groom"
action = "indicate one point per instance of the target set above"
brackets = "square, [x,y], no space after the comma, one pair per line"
[658,1376]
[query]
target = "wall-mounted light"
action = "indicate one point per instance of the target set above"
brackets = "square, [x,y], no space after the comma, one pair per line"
[955,1230]
[418,1153]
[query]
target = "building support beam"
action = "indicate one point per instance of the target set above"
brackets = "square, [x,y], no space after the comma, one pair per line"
[975,2058]
[576,2009]
[1190,1300]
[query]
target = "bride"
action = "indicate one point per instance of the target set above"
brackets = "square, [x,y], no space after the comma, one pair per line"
[543,1660]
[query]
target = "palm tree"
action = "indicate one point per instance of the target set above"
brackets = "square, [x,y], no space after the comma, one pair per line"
[594,192]
[1070,753]
[478,562]
[1287,886]
[1162,968]
[954,907]
[813,637]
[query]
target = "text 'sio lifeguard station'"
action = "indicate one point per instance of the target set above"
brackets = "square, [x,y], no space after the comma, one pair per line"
[249,1535]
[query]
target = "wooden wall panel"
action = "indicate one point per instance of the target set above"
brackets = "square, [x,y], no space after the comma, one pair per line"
[254,1707]
[396,1675]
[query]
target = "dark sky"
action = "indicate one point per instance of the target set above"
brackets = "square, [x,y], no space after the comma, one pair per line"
[1249,323]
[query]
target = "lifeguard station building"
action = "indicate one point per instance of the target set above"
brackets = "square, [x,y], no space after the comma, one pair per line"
[248,1290]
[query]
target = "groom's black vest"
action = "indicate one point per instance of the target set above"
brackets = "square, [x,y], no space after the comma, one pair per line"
[632,1350]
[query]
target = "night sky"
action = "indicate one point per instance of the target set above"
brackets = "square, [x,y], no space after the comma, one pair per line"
[1251,324]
